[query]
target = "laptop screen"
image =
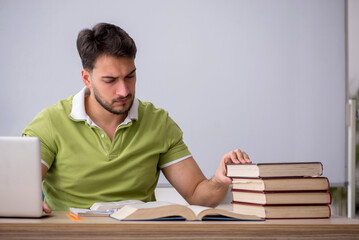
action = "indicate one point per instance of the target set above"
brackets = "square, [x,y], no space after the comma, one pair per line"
[20,177]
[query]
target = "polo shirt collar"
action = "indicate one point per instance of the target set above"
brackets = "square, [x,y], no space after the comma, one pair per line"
[78,109]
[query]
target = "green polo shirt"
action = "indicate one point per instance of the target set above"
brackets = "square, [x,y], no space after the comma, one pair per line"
[86,167]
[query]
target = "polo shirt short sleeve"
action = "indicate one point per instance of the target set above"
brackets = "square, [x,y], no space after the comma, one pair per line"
[85,166]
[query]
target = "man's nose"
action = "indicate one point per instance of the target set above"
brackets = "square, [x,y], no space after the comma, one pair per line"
[122,89]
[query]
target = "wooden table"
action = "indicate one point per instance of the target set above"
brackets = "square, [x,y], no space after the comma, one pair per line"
[59,226]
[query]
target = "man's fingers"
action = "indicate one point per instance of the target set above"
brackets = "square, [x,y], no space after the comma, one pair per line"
[246,157]
[235,158]
[46,208]
[239,156]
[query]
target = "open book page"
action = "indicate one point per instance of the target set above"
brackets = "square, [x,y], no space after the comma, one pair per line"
[113,205]
[91,213]
[100,209]
[206,213]
[154,211]
[197,209]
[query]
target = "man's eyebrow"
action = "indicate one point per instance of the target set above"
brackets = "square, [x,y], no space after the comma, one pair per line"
[134,70]
[115,77]
[111,77]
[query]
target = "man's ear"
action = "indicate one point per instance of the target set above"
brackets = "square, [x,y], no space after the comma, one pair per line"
[86,78]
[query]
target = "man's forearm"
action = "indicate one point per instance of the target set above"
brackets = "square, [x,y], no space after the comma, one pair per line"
[209,193]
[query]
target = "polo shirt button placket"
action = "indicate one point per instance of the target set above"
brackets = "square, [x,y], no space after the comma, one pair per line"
[106,143]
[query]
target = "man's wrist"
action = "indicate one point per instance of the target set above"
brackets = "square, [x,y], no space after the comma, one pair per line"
[218,183]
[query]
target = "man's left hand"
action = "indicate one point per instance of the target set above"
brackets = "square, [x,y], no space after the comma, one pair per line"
[237,157]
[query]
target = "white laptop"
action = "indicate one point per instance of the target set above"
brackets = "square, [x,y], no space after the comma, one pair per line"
[20,177]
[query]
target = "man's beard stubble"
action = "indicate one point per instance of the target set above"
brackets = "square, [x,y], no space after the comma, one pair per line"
[108,106]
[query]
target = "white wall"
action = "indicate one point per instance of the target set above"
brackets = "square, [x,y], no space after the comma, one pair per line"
[265,76]
[353,47]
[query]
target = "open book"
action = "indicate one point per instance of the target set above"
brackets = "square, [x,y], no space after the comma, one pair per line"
[101,209]
[170,211]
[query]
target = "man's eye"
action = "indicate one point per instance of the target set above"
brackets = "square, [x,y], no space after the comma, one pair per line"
[109,81]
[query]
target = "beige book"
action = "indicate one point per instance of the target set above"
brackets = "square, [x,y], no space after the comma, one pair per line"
[283,211]
[281,184]
[283,198]
[284,169]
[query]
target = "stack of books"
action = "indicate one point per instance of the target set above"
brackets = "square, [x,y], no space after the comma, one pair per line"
[280,190]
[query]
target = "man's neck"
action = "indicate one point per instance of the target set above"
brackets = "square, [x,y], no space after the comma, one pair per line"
[103,118]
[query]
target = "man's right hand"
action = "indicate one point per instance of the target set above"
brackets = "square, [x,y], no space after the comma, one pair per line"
[46,208]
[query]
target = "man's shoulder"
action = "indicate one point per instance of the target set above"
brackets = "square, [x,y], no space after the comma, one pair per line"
[149,109]
[48,117]
[61,108]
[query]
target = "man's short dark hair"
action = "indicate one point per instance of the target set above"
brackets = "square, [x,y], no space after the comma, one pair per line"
[104,38]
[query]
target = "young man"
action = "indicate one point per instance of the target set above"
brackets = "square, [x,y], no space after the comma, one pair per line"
[103,144]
